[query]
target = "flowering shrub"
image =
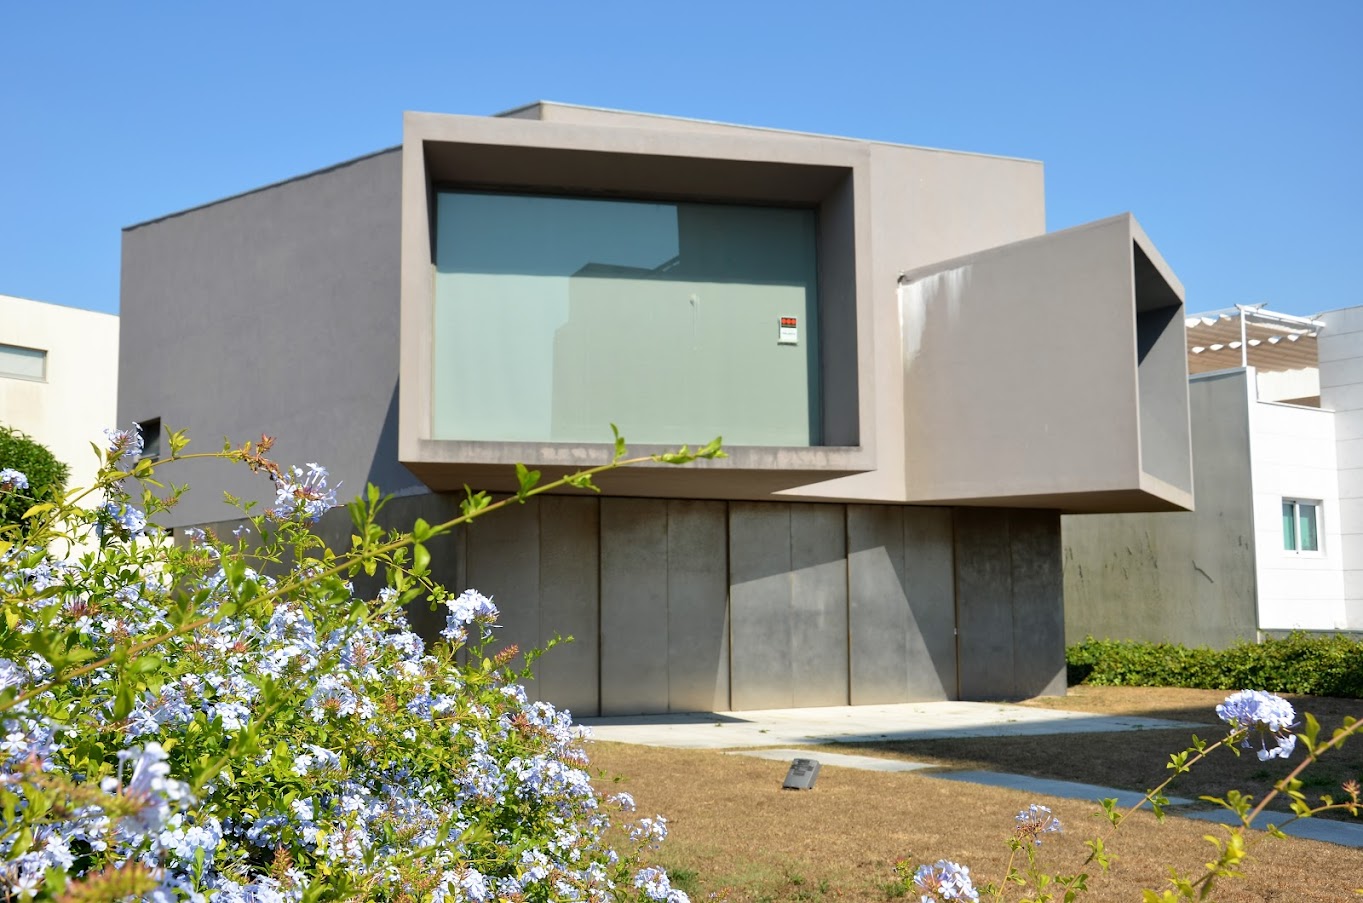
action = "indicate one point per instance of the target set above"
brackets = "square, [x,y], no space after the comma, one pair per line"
[29,474]
[1250,715]
[218,720]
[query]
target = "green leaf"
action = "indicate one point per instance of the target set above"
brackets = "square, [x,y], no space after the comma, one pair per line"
[146,664]
[421,559]
[527,479]
[421,531]
[38,509]
[619,443]
[124,700]
[582,481]
[1310,733]
[475,502]
[682,455]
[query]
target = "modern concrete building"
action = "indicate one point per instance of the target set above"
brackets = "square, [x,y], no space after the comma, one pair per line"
[59,378]
[912,378]
[1276,543]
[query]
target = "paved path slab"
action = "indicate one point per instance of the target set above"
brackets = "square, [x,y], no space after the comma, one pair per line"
[853,724]
[1344,833]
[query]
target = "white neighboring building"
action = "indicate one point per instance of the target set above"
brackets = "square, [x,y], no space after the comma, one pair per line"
[59,378]
[1276,540]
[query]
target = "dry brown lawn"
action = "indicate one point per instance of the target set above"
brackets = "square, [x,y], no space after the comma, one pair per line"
[735,834]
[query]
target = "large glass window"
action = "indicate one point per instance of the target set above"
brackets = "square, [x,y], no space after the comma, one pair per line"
[556,316]
[1301,525]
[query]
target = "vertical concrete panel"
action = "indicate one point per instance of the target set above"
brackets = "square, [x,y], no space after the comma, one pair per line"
[504,564]
[570,563]
[984,598]
[878,606]
[818,624]
[634,647]
[760,605]
[697,607]
[929,574]
[1038,603]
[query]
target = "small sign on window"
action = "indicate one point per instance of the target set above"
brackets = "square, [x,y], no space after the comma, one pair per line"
[790,331]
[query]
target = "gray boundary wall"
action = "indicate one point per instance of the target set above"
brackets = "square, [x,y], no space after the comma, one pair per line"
[1179,577]
[683,605]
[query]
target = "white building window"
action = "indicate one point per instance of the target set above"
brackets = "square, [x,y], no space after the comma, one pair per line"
[1301,525]
[18,362]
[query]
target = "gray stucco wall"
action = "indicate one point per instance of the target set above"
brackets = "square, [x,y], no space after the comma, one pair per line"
[681,606]
[1186,577]
[271,312]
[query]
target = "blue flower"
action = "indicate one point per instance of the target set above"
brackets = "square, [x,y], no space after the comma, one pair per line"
[12,480]
[1268,715]
[1034,821]
[128,520]
[656,886]
[125,443]
[303,493]
[470,606]
[944,880]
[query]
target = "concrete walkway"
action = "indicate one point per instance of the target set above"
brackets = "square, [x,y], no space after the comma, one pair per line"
[856,724]
[777,734]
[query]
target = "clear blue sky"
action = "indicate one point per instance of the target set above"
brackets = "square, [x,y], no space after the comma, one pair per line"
[1234,132]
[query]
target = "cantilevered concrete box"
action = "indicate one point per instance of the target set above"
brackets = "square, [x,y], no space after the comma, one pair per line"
[1015,369]
[1047,373]
[614,160]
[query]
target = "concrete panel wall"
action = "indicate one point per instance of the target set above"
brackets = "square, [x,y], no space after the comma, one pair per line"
[503,552]
[880,622]
[569,601]
[788,595]
[634,635]
[901,604]
[984,603]
[1038,603]
[683,606]
[930,575]
[1010,603]
[818,604]
[697,607]
[1186,577]
[760,605]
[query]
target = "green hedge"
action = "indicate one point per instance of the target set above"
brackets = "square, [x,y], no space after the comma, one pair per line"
[1320,666]
[46,475]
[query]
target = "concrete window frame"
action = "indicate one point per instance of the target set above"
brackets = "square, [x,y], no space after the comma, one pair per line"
[830,175]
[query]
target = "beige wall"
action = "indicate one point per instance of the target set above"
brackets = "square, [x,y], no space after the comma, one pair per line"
[74,404]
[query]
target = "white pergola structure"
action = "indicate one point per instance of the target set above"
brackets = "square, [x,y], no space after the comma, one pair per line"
[1249,336]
